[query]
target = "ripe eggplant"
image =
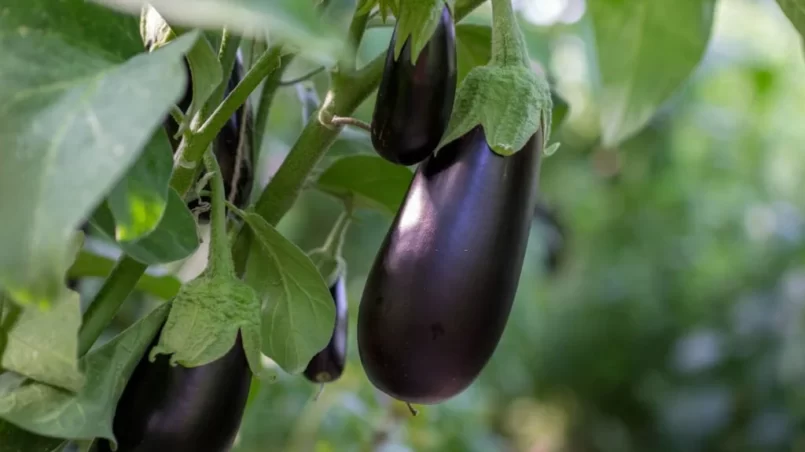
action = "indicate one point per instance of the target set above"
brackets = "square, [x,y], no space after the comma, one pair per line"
[225,145]
[414,101]
[171,409]
[440,290]
[327,365]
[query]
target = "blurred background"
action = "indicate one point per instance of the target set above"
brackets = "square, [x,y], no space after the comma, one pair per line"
[665,315]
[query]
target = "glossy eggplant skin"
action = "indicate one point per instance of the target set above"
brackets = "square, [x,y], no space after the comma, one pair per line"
[327,365]
[225,145]
[440,290]
[414,101]
[174,409]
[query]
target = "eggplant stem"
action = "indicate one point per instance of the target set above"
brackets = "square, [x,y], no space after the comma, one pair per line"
[347,121]
[318,393]
[414,411]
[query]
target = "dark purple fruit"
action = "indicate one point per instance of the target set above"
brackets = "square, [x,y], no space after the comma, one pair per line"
[414,101]
[439,293]
[172,409]
[327,365]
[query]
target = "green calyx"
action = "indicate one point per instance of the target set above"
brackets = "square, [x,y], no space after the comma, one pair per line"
[506,96]
[385,7]
[208,312]
[417,21]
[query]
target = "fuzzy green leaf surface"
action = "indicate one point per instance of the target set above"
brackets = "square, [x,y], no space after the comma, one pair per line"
[66,139]
[43,345]
[510,102]
[297,309]
[372,181]
[139,200]
[205,319]
[294,22]
[174,238]
[417,20]
[46,410]
[646,50]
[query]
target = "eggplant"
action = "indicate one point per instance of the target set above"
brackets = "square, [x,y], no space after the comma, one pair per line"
[327,365]
[225,145]
[172,409]
[414,101]
[440,290]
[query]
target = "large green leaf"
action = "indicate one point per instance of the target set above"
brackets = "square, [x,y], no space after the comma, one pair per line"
[795,10]
[46,410]
[297,309]
[646,49]
[43,345]
[293,21]
[473,47]
[373,181]
[174,238]
[138,201]
[76,112]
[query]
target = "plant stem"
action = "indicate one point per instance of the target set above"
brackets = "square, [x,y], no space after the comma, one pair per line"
[508,42]
[104,307]
[346,121]
[302,78]
[92,265]
[220,259]
[335,240]
[191,150]
[266,99]
[227,54]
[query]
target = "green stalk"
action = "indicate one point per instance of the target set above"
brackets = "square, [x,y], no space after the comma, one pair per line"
[508,43]
[335,240]
[266,99]
[220,259]
[107,302]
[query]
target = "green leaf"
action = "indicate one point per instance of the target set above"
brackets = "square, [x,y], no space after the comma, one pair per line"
[795,11]
[473,47]
[174,238]
[418,20]
[645,51]
[43,345]
[92,265]
[371,180]
[45,410]
[205,319]
[16,439]
[510,102]
[138,201]
[207,75]
[293,21]
[386,7]
[76,113]
[297,310]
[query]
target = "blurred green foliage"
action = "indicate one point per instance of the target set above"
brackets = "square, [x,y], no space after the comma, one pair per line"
[674,322]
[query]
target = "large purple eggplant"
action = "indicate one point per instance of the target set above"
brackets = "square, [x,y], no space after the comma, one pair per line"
[327,365]
[172,409]
[440,290]
[414,101]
